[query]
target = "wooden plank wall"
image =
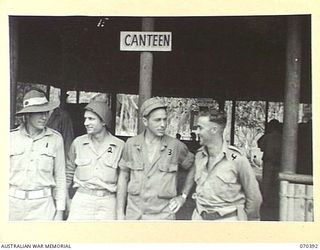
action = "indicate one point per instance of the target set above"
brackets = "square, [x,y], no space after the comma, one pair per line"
[296,201]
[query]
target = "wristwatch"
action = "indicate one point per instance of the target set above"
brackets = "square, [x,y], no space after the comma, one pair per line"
[184,196]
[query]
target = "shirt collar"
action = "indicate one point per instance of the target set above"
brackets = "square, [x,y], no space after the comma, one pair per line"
[87,139]
[45,132]
[140,141]
[204,151]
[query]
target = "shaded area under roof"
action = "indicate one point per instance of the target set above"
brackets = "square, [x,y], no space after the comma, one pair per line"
[241,58]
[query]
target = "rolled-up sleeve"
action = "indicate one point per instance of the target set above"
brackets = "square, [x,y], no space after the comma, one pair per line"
[59,191]
[71,166]
[186,158]
[118,155]
[251,189]
[124,161]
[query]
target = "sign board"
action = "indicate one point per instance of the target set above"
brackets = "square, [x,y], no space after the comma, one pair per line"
[145,41]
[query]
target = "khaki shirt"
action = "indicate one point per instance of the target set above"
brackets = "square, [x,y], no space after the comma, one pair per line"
[228,184]
[37,163]
[92,170]
[152,185]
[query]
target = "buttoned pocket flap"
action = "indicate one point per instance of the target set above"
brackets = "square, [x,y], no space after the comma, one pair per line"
[168,167]
[109,162]
[47,152]
[82,161]
[227,177]
[16,151]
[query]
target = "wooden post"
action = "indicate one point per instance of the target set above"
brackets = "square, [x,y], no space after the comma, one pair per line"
[267,116]
[292,92]
[14,47]
[48,91]
[114,112]
[146,63]
[77,96]
[233,121]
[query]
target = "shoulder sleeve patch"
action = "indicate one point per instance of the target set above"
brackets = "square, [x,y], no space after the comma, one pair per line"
[237,150]
[53,131]
[233,153]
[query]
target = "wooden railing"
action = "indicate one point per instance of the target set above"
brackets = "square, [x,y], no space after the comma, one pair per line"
[296,197]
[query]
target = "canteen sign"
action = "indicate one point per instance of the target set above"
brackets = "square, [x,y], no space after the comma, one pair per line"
[145,41]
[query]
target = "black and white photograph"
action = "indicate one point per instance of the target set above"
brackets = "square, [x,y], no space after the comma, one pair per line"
[161,118]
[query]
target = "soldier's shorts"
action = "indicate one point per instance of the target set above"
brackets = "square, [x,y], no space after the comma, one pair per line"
[42,209]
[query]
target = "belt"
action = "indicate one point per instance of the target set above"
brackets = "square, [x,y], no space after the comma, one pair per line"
[29,194]
[216,216]
[95,192]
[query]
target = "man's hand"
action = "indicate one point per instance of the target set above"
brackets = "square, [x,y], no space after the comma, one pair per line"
[58,215]
[176,203]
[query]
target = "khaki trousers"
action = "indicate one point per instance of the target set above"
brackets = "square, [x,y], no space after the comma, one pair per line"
[89,207]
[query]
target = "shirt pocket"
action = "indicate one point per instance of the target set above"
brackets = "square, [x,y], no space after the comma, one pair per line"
[227,177]
[17,163]
[227,186]
[168,180]
[16,157]
[46,161]
[136,177]
[108,170]
[83,170]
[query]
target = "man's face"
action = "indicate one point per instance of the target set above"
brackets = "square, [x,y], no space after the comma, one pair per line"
[156,122]
[37,121]
[205,130]
[93,123]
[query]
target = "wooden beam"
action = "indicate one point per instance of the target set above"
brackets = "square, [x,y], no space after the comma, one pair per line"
[146,64]
[14,52]
[296,178]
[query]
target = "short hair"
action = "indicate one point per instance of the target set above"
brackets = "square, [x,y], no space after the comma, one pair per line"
[216,116]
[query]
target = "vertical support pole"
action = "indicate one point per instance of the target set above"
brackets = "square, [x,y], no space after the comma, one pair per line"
[114,112]
[291,100]
[221,103]
[14,47]
[146,63]
[78,96]
[63,97]
[267,114]
[48,91]
[233,121]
